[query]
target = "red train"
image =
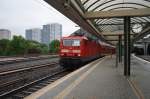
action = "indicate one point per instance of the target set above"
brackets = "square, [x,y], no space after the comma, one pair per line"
[76,50]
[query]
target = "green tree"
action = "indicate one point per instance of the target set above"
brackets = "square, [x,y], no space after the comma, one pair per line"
[36,47]
[18,46]
[44,49]
[4,43]
[54,46]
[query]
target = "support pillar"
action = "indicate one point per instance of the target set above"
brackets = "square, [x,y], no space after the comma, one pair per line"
[127,46]
[117,51]
[120,49]
[145,48]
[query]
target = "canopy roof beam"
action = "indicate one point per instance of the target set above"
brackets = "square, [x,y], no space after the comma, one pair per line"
[122,23]
[74,12]
[117,13]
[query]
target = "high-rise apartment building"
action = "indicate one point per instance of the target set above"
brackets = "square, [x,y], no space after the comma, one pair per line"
[51,32]
[5,34]
[33,34]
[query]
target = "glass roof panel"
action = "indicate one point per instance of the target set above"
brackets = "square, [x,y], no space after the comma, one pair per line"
[114,20]
[116,24]
[96,5]
[86,5]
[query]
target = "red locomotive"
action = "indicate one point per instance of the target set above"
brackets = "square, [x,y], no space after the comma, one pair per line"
[76,50]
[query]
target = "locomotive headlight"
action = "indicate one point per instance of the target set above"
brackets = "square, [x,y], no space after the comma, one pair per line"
[64,50]
[76,51]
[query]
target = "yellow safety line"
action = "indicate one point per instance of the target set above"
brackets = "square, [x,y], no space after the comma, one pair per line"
[67,90]
[136,89]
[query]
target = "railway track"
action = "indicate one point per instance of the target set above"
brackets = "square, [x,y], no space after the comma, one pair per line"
[25,59]
[27,89]
[19,65]
[26,68]
[20,79]
[144,57]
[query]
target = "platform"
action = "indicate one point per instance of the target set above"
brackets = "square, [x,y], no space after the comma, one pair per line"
[100,79]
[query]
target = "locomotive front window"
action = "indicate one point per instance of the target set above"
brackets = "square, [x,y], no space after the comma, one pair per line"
[71,42]
[76,43]
[67,42]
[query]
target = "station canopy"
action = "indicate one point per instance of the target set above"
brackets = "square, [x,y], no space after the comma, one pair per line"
[106,17]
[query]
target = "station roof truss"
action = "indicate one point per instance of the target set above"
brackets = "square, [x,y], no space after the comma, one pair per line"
[105,18]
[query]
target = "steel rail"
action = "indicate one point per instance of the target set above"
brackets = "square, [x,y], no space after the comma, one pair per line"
[26,86]
[25,60]
[27,68]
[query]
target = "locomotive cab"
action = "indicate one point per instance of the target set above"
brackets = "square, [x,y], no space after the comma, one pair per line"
[71,51]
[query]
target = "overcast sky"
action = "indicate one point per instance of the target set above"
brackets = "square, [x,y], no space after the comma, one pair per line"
[18,15]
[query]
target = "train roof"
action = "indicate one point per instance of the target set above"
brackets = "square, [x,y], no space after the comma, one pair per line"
[75,37]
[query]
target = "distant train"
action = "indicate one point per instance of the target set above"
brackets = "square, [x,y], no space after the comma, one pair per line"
[75,50]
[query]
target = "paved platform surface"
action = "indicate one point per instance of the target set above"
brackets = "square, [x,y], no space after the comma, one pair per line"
[141,76]
[97,80]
